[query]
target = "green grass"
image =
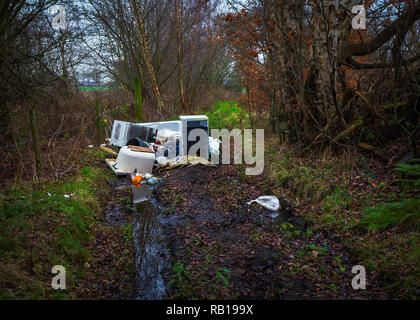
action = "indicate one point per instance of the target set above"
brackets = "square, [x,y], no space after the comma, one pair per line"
[40,228]
[307,183]
[395,257]
[402,214]
[127,232]
[227,115]
[181,280]
[92,89]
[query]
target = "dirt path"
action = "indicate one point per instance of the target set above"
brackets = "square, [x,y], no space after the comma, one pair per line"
[222,248]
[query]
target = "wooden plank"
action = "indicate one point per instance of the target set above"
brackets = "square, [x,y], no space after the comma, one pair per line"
[140,149]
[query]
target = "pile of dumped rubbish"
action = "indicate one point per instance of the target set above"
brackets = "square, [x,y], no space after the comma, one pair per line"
[147,148]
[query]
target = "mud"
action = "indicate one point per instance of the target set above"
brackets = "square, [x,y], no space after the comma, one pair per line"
[137,207]
[229,250]
[197,238]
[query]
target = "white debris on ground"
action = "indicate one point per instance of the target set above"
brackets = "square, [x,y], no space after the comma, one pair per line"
[271,203]
[214,145]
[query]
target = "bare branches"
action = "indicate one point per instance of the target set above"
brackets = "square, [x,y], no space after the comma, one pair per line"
[306,63]
[401,25]
[165,43]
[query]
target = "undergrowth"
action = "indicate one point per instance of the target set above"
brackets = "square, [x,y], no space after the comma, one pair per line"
[227,115]
[43,225]
[381,227]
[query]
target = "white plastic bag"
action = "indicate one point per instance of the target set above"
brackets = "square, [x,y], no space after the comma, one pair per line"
[147,176]
[162,160]
[268,202]
[214,145]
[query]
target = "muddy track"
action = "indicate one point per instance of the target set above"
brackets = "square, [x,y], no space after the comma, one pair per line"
[222,248]
[199,239]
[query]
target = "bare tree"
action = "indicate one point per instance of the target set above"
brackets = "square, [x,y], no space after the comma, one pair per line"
[168,47]
[33,56]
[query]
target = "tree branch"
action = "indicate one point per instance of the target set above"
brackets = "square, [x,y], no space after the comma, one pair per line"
[362,49]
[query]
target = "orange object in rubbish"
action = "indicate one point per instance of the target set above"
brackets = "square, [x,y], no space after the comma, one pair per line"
[136,180]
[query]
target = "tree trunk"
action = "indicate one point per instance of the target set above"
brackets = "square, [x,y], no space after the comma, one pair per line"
[35,139]
[5,123]
[137,100]
[179,24]
[99,123]
[141,28]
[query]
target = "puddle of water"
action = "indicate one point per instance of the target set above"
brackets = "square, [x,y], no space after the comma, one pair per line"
[151,253]
[119,183]
[118,215]
[141,193]
[152,256]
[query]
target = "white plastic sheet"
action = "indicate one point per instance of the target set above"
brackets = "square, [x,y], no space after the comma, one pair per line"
[271,203]
[165,135]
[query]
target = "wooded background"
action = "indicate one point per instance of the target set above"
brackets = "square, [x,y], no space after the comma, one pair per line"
[298,65]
